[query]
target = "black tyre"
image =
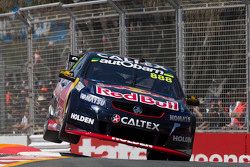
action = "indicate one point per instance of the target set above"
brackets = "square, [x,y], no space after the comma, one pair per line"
[156,155]
[174,158]
[70,138]
[50,135]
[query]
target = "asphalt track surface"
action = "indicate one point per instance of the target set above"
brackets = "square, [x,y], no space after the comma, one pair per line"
[94,162]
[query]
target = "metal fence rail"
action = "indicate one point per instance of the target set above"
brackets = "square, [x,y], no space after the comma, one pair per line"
[205,42]
[152,37]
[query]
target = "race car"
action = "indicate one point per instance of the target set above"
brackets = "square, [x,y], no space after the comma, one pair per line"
[124,100]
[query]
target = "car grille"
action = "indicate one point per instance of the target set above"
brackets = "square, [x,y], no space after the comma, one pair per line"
[147,110]
[133,134]
[137,135]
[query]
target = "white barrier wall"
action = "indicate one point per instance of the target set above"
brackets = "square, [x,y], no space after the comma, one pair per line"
[37,141]
[23,140]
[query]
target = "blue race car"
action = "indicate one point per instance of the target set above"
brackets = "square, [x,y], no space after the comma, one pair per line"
[125,100]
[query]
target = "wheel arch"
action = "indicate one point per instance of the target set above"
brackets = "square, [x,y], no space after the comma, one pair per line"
[69,93]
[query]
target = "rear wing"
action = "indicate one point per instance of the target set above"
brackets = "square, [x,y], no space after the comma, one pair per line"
[73,59]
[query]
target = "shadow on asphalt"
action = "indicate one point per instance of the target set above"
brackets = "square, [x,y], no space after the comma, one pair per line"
[98,162]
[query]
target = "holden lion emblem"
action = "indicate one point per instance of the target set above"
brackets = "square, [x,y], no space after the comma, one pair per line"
[137,110]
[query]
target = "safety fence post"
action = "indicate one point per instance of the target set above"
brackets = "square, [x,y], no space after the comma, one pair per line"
[122,28]
[2,90]
[31,79]
[248,63]
[179,43]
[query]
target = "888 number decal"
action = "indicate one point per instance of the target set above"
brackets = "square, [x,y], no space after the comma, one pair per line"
[165,77]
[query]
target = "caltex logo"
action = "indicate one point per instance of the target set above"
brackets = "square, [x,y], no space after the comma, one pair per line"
[116,118]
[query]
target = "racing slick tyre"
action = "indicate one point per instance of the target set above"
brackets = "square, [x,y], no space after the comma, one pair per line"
[175,158]
[50,135]
[156,155]
[70,138]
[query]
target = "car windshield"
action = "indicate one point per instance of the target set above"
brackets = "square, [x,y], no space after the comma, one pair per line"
[166,84]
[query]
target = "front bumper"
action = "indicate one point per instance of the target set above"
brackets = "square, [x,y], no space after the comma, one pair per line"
[99,125]
[132,143]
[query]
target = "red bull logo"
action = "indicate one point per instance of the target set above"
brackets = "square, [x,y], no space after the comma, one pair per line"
[171,105]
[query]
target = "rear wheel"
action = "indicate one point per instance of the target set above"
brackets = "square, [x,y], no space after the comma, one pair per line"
[71,138]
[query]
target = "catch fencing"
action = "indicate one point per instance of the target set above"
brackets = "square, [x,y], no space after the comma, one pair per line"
[206,43]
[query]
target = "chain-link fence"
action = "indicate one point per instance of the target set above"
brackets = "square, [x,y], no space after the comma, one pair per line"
[215,63]
[205,42]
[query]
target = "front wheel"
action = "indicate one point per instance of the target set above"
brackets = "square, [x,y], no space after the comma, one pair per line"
[70,138]
[50,135]
[156,155]
[175,158]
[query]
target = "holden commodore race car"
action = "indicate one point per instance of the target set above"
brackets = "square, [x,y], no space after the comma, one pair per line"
[124,100]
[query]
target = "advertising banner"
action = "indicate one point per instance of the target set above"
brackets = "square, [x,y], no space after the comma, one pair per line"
[208,147]
[221,147]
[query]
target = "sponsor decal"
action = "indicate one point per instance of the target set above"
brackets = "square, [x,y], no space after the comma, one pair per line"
[183,139]
[165,77]
[176,125]
[231,158]
[74,58]
[129,60]
[132,142]
[137,90]
[116,118]
[129,64]
[93,99]
[137,109]
[171,105]
[52,125]
[98,148]
[79,86]
[179,118]
[81,118]
[95,60]
[106,149]
[182,108]
[135,122]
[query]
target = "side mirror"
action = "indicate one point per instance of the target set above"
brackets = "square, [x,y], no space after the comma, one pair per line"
[192,101]
[66,74]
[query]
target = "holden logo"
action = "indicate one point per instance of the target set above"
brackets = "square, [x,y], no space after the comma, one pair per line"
[137,109]
[115,118]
